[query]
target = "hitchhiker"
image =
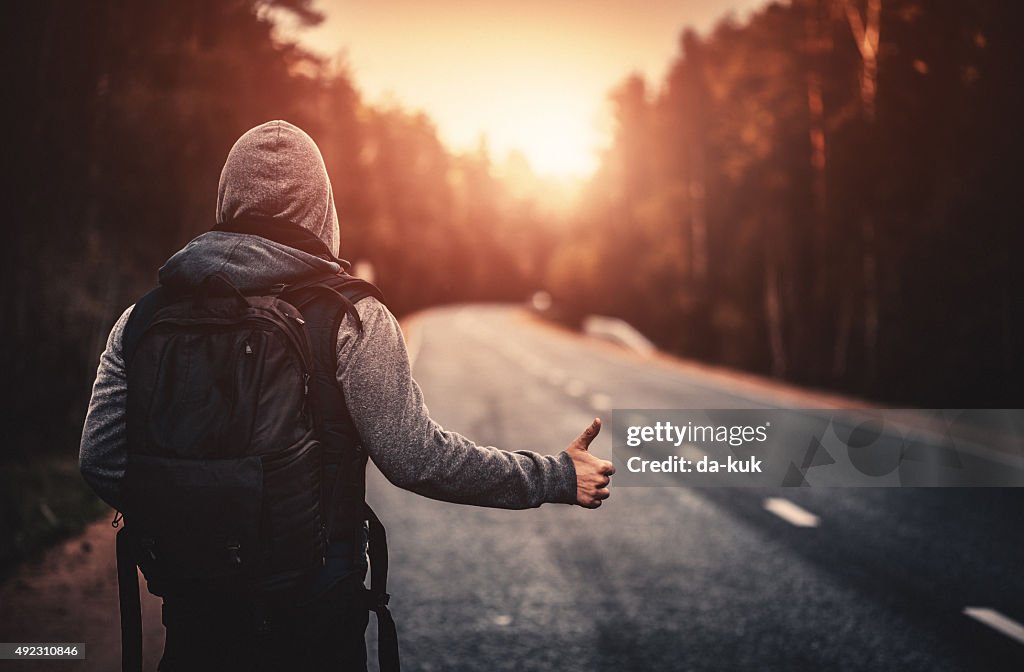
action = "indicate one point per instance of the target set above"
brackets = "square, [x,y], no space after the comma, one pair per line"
[234,409]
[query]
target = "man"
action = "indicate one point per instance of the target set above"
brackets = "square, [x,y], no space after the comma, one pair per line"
[276,171]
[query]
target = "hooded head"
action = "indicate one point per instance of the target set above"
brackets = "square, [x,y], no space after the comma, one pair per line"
[276,170]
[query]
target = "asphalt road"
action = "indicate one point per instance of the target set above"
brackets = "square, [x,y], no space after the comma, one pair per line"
[659,578]
[667,578]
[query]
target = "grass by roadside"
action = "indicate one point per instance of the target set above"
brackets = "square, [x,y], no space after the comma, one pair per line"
[41,503]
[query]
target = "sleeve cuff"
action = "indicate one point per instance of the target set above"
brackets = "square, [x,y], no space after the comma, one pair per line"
[564,485]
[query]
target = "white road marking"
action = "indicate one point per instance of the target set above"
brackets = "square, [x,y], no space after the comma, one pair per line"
[790,512]
[600,402]
[575,388]
[997,621]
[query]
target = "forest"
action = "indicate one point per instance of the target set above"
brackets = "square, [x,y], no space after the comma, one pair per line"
[824,192]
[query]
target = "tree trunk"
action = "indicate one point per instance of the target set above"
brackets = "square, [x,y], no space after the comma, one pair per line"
[773,315]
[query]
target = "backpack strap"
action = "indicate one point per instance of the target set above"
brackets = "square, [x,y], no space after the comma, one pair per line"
[378,597]
[141,316]
[324,305]
[130,605]
[127,568]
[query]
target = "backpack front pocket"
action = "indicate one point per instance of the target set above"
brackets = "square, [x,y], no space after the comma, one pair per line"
[195,520]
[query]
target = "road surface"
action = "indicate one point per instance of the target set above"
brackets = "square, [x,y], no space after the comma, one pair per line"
[671,578]
[660,578]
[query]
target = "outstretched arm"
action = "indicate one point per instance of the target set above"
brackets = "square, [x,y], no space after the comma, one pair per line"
[417,454]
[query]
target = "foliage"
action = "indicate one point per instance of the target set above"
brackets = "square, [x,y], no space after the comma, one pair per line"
[825,193]
[792,199]
[125,112]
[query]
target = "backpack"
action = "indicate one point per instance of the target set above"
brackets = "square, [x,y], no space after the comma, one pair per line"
[243,462]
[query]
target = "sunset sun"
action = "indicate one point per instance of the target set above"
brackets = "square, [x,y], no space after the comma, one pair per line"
[554,130]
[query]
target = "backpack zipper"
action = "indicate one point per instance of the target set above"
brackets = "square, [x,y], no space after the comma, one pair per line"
[296,335]
[294,330]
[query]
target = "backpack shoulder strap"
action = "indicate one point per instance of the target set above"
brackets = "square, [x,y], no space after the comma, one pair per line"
[324,304]
[348,290]
[141,317]
[127,573]
[348,495]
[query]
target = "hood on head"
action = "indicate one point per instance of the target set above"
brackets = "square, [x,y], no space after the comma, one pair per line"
[276,170]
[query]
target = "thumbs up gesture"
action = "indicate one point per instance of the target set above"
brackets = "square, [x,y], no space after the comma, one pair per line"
[592,473]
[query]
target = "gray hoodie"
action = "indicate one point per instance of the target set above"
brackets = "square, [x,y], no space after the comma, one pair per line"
[276,170]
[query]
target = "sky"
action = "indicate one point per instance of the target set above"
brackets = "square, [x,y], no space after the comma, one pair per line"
[530,75]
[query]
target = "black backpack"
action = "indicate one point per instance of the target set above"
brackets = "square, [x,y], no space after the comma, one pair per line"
[243,462]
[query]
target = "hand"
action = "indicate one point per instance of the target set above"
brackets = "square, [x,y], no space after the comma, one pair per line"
[592,473]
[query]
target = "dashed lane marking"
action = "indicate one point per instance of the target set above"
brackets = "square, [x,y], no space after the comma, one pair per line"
[790,512]
[997,621]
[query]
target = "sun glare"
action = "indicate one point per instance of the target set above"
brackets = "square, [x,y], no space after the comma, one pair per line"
[554,136]
[555,147]
[531,76]
[550,117]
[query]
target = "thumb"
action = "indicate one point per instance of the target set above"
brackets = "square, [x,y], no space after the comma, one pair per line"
[583,441]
